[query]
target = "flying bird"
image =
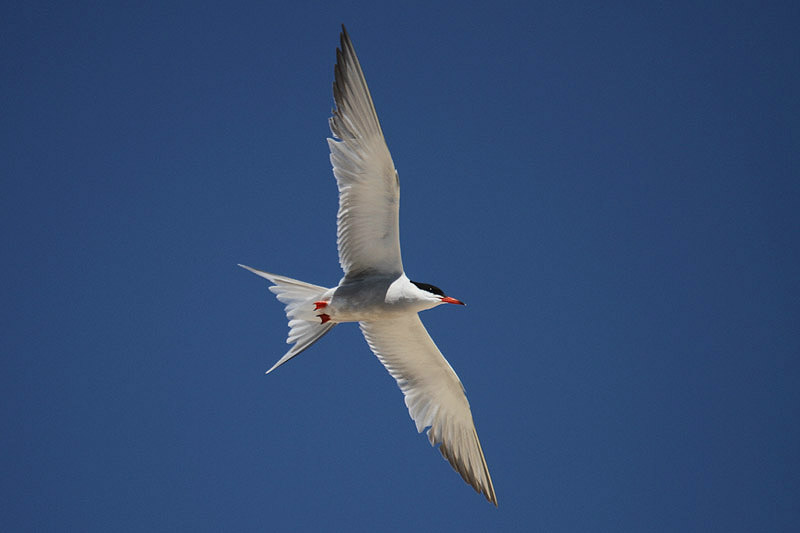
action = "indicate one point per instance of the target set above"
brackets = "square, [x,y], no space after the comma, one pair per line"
[375,291]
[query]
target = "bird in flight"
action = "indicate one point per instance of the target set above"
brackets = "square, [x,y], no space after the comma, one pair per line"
[375,291]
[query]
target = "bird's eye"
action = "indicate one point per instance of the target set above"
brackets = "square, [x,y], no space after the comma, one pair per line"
[429,288]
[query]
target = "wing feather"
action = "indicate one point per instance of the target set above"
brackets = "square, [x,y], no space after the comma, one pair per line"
[368,229]
[433,394]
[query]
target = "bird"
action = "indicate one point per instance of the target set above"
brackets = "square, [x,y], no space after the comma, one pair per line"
[375,291]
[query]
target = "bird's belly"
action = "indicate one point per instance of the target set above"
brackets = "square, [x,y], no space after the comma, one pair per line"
[363,302]
[343,311]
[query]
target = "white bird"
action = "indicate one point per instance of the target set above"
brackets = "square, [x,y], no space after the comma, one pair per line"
[375,291]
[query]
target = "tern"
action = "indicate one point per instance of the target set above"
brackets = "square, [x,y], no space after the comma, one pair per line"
[375,291]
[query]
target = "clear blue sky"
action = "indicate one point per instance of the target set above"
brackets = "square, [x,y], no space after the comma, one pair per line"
[614,191]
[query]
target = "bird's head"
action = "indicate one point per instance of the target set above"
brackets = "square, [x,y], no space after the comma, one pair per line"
[434,294]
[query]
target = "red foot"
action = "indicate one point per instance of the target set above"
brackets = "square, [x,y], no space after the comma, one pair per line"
[320,305]
[324,317]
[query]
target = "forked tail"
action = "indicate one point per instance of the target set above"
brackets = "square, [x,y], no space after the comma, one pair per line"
[305,327]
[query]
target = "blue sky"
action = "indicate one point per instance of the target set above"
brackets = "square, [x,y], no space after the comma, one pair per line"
[612,189]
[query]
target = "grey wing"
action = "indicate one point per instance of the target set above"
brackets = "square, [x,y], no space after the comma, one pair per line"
[368,233]
[433,394]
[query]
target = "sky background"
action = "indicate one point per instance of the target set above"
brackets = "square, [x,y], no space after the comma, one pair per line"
[614,191]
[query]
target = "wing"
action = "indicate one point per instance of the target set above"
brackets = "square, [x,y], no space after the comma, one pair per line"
[369,192]
[434,395]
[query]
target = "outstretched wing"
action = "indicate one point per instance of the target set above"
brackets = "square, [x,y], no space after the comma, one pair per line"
[369,192]
[434,395]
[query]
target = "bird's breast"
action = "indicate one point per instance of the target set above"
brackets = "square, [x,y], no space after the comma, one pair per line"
[364,300]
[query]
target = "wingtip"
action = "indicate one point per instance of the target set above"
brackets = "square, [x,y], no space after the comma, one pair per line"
[276,365]
[253,270]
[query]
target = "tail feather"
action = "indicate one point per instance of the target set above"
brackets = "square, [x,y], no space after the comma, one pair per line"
[305,327]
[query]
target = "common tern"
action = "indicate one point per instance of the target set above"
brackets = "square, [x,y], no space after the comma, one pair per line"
[375,291]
